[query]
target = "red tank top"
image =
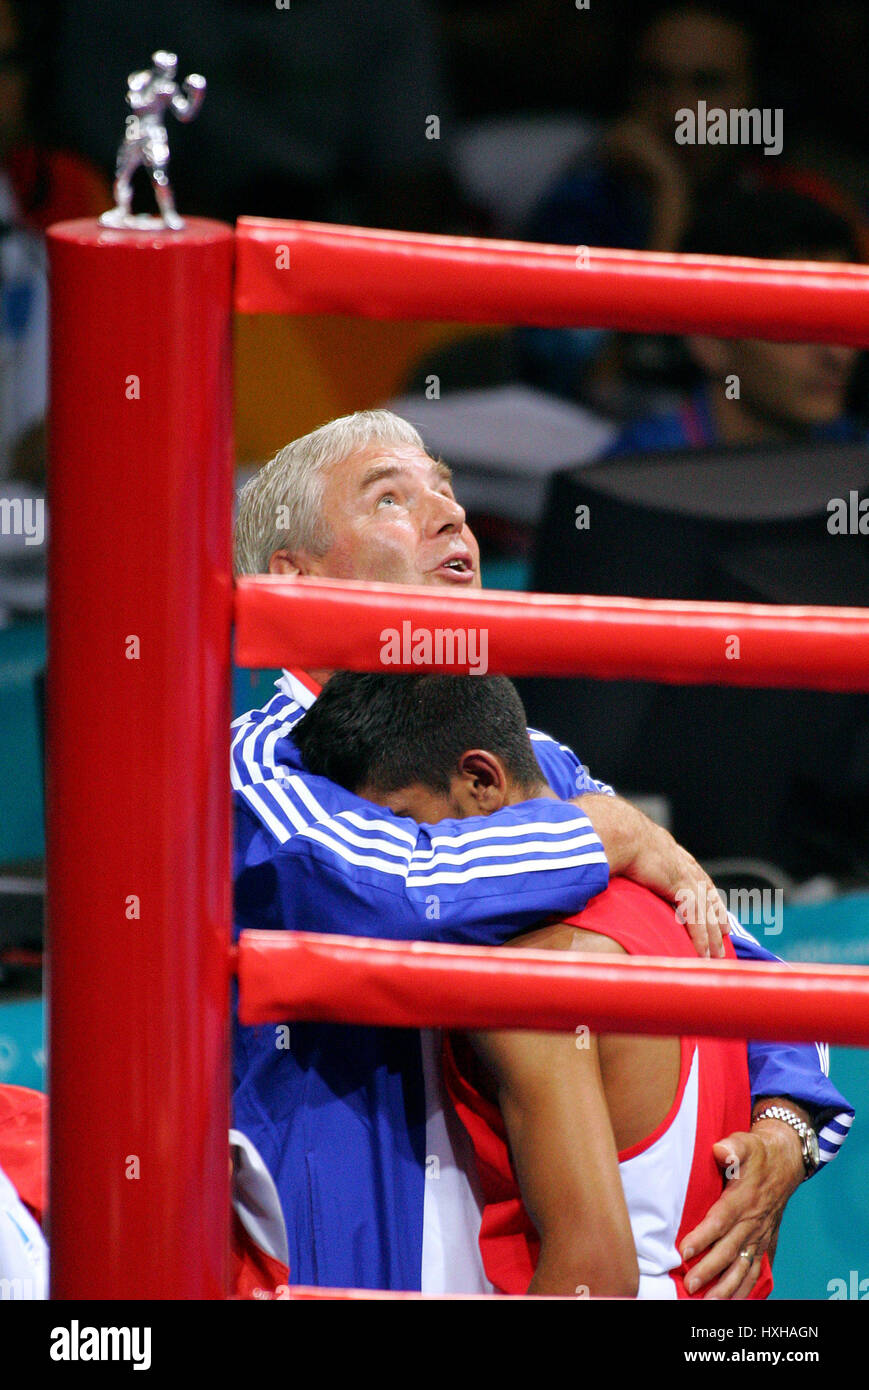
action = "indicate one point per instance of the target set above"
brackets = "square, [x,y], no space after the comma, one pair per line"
[712,1100]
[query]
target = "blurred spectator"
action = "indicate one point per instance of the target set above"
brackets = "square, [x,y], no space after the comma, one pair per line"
[23,296]
[324,109]
[47,185]
[641,190]
[753,391]
[23,351]
[38,186]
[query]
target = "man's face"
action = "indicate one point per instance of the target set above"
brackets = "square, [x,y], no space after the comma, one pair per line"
[791,386]
[685,59]
[393,518]
[421,803]
[479,786]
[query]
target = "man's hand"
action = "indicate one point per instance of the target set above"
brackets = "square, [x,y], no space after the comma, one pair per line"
[634,147]
[766,1167]
[639,849]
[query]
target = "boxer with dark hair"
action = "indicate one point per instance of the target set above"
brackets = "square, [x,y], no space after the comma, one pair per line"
[596,1154]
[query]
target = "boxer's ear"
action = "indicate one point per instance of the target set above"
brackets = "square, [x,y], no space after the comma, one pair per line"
[483,781]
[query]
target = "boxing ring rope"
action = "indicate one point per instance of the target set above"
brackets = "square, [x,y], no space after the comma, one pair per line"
[140,614]
[312,268]
[342,979]
[340,624]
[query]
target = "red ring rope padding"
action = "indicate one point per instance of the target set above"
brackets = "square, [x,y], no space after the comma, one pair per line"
[327,624]
[317,268]
[343,979]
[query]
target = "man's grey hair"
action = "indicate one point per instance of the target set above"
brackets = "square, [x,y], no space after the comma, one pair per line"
[280,507]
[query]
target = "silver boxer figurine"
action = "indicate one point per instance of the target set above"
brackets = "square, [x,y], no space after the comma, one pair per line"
[150,94]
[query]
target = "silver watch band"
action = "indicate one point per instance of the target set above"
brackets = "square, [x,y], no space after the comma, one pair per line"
[808,1137]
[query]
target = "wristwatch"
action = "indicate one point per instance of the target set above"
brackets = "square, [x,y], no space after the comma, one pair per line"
[808,1137]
